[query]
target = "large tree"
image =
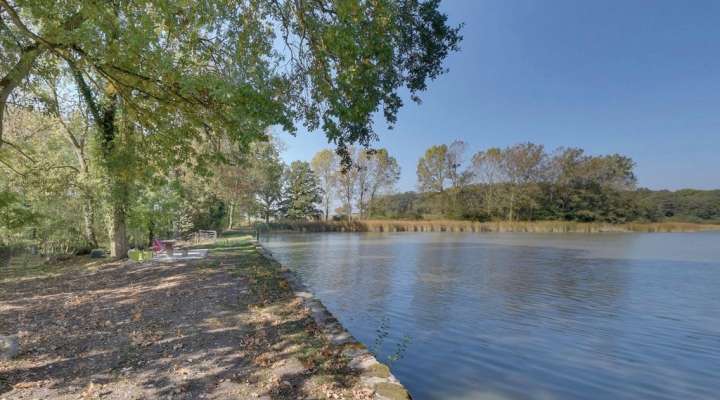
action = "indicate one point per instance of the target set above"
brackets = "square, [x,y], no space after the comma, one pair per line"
[160,77]
[440,164]
[455,160]
[380,172]
[266,174]
[588,187]
[523,164]
[432,171]
[363,163]
[302,192]
[325,166]
[488,170]
[347,183]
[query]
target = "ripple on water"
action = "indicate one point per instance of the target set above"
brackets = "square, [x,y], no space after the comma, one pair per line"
[523,316]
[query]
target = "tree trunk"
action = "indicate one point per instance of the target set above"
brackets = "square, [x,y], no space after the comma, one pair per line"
[151,232]
[118,231]
[361,205]
[230,215]
[327,208]
[88,219]
[348,208]
[488,202]
[512,205]
[104,117]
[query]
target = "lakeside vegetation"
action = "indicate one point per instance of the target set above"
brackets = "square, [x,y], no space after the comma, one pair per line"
[616,207]
[518,189]
[526,182]
[95,154]
[385,225]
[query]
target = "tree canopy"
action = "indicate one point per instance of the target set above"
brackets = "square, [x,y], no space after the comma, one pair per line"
[521,182]
[184,70]
[163,84]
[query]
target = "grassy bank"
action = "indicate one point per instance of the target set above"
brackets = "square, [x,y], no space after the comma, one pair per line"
[471,226]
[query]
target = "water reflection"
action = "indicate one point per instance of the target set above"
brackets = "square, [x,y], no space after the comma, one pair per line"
[526,316]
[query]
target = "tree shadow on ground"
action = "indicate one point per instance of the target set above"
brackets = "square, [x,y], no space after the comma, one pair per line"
[226,327]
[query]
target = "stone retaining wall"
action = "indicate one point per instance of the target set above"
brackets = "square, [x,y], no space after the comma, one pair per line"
[373,374]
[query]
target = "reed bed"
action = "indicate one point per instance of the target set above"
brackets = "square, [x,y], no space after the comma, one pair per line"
[312,226]
[471,226]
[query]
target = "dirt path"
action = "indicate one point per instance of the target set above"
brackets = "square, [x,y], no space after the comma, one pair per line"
[222,328]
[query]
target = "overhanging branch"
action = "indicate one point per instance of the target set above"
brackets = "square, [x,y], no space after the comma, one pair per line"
[15,76]
[18,150]
[28,54]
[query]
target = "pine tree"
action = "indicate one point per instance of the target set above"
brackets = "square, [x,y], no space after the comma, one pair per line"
[302,192]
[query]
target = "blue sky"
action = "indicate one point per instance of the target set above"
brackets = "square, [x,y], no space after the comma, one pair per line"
[641,78]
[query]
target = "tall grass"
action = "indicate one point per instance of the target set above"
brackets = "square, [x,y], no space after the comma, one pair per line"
[313,226]
[470,226]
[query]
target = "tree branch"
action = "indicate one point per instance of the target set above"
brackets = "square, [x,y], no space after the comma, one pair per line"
[77,145]
[15,76]
[86,93]
[15,18]
[71,24]
[17,149]
[72,167]
[28,55]
[11,168]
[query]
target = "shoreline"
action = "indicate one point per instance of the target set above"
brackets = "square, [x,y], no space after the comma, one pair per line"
[374,375]
[482,227]
[233,325]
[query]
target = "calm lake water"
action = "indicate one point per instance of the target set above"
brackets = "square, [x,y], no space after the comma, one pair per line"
[526,316]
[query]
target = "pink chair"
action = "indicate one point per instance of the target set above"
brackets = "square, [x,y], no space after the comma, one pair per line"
[158,246]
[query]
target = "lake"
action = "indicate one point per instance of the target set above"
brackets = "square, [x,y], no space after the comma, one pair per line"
[525,316]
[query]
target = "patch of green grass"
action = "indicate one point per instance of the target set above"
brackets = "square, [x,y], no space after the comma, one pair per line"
[226,242]
[238,233]
[236,239]
[29,267]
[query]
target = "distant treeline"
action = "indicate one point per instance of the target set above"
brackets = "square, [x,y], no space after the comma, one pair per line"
[523,182]
[683,205]
[643,205]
